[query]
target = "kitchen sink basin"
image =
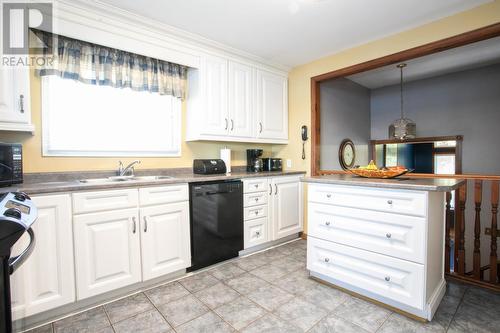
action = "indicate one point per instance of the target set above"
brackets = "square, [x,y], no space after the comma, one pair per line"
[116,179]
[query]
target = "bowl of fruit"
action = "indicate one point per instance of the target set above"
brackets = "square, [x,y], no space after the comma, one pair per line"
[372,171]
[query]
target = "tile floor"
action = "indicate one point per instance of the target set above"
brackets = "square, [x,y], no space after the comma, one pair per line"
[271,292]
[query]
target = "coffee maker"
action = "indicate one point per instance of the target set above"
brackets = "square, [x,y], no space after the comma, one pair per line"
[254,160]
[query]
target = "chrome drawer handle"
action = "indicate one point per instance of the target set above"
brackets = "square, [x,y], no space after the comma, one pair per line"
[388,235]
[389,202]
[388,278]
[328,195]
[256,185]
[257,233]
[327,260]
[327,223]
[256,212]
[256,199]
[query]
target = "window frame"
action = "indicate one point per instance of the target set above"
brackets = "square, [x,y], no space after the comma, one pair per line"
[47,152]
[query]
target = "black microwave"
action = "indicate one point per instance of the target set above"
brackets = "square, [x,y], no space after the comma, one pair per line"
[11,163]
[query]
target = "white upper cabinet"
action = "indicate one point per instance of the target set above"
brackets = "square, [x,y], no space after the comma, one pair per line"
[241,79]
[214,84]
[15,111]
[272,106]
[236,101]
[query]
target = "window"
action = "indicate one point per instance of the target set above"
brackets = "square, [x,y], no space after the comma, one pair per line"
[86,120]
[444,164]
[391,155]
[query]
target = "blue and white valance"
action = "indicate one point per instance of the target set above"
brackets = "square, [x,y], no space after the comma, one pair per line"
[99,65]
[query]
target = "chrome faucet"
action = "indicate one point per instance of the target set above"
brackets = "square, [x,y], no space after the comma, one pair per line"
[128,169]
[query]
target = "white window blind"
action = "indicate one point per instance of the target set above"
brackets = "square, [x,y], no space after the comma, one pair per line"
[85,120]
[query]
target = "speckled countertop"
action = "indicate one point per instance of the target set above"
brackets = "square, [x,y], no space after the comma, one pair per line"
[71,181]
[404,183]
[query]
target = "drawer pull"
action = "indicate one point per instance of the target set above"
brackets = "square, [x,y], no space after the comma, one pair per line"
[256,185]
[256,212]
[327,259]
[256,199]
[327,223]
[388,235]
[389,202]
[257,233]
[328,195]
[388,278]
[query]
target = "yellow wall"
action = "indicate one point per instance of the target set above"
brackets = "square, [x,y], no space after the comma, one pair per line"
[35,162]
[299,78]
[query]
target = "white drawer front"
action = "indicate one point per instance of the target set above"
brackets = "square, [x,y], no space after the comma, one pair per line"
[88,202]
[394,235]
[255,199]
[250,213]
[384,200]
[163,194]
[255,232]
[399,280]
[255,185]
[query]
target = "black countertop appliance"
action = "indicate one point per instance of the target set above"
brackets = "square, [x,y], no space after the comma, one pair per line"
[216,210]
[254,160]
[272,164]
[209,167]
[17,215]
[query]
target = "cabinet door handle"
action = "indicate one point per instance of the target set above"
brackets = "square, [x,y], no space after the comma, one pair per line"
[275,189]
[145,224]
[270,189]
[232,124]
[260,125]
[227,124]
[134,225]
[21,103]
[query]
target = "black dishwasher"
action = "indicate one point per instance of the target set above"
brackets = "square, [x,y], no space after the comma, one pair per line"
[216,210]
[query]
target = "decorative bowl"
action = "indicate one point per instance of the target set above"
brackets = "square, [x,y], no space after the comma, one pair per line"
[379,173]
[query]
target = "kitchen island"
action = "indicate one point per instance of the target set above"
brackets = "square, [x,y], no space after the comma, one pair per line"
[380,238]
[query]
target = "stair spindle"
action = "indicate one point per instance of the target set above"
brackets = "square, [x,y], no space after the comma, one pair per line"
[478,191]
[494,212]
[461,241]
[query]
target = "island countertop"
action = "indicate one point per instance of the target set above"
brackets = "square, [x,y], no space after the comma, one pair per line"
[403,183]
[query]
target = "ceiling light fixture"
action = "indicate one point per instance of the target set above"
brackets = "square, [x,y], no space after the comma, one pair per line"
[402,128]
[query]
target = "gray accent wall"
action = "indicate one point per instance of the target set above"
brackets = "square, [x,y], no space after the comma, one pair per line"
[464,103]
[345,113]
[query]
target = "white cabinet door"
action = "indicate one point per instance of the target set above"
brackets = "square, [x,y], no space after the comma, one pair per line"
[46,280]
[165,239]
[240,100]
[15,114]
[272,106]
[214,107]
[287,204]
[107,251]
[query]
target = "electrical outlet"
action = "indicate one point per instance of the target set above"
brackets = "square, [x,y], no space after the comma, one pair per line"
[288,163]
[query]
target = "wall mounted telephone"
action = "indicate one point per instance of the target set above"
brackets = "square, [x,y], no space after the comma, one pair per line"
[304,139]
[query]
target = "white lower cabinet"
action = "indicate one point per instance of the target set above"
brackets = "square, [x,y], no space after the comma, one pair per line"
[273,209]
[286,207]
[116,248]
[46,280]
[165,240]
[107,251]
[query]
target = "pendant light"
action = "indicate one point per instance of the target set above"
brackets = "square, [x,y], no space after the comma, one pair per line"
[402,128]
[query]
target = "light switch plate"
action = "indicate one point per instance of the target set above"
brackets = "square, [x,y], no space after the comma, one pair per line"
[288,163]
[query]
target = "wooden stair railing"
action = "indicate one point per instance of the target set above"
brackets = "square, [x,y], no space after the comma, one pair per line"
[458,247]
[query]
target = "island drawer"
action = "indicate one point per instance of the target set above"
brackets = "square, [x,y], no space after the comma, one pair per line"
[399,280]
[390,234]
[385,200]
[255,232]
[253,185]
[254,199]
[88,202]
[163,194]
